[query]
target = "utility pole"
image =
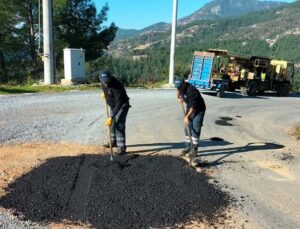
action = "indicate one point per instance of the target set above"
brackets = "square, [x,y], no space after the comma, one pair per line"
[48,43]
[173,43]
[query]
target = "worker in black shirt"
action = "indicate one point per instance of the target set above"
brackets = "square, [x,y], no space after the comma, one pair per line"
[118,101]
[195,111]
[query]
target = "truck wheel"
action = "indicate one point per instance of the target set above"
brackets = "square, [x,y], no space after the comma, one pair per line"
[252,88]
[221,92]
[283,90]
[232,87]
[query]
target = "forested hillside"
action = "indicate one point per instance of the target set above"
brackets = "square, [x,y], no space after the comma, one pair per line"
[214,9]
[227,8]
[271,33]
[143,58]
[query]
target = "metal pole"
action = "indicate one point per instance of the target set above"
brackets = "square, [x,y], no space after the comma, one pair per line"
[48,43]
[173,43]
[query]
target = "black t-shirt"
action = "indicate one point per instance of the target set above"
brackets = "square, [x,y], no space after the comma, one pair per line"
[115,95]
[192,97]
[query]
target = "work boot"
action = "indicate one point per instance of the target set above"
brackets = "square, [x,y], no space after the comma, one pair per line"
[106,145]
[185,151]
[121,151]
[193,152]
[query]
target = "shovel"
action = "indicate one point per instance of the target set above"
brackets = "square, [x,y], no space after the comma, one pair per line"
[189,133]
[109,132]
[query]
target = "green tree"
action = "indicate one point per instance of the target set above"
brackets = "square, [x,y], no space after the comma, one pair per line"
[26,12]
[78,25]
[17,39]
[6,23]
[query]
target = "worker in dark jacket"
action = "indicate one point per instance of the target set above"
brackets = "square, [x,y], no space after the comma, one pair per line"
[118,101]
[195,111]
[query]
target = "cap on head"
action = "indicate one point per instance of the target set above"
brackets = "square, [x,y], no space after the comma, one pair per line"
[179,81]
[105,76]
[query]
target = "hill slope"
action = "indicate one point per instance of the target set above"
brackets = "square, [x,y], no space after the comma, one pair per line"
[213,10]
[267,26]
[228,8]
[271,33]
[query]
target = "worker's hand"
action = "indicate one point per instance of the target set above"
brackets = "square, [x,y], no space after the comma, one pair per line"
[180,100]
[108,122]
[186,120]
[102,95]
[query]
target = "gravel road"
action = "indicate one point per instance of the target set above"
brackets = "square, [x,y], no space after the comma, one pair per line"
[256,160]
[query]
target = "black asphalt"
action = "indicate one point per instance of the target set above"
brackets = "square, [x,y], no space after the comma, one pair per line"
[131,192]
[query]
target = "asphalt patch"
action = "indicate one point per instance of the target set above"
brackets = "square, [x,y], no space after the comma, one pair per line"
[224,121]
[226,118]
[131,192]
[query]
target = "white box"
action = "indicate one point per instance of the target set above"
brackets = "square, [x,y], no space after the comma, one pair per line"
[74,64]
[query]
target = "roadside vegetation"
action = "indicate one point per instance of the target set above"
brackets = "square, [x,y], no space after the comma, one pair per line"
[9,89]
[21,55]
[16,89]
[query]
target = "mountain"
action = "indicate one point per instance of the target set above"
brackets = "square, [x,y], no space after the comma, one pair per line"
[228,8]
[127,33]
[271,33]
[213,10]
[123,34]
[267,26]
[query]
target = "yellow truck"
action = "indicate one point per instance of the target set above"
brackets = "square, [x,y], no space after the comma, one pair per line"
[253,74]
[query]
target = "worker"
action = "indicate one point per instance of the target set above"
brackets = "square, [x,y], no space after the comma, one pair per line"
[118,101]
[194,116]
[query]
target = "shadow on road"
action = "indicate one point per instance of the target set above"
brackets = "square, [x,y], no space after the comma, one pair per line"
[169,146]
[131,192]
[236,95]
[295,95]
[226,152]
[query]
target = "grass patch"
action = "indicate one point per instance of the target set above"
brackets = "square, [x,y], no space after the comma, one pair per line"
[12,89]
[7,89]
[157,84]
[296,132]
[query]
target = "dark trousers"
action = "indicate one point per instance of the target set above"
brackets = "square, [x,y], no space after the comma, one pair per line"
[196,123]
[118,127]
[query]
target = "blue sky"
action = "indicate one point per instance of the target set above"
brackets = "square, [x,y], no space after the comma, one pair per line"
[138,14]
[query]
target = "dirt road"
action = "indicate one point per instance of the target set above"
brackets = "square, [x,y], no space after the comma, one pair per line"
[254,158]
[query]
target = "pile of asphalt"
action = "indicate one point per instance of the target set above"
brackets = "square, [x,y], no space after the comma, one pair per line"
[131,192]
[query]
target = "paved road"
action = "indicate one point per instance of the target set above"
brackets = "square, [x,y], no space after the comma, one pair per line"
[257,161]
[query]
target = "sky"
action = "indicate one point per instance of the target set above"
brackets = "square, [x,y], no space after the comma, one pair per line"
[138,14]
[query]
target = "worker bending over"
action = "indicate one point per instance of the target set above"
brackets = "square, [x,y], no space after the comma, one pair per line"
[195,111]
[118,101]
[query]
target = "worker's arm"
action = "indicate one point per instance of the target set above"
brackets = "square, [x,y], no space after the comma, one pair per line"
[179,98]
[188,115]
[117,98]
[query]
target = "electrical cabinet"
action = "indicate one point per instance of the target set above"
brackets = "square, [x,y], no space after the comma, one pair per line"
[74,64]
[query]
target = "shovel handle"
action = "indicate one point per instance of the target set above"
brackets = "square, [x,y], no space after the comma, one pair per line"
[109,132]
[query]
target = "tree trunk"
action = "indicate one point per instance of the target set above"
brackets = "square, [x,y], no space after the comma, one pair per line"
[33,52]
[3,70]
